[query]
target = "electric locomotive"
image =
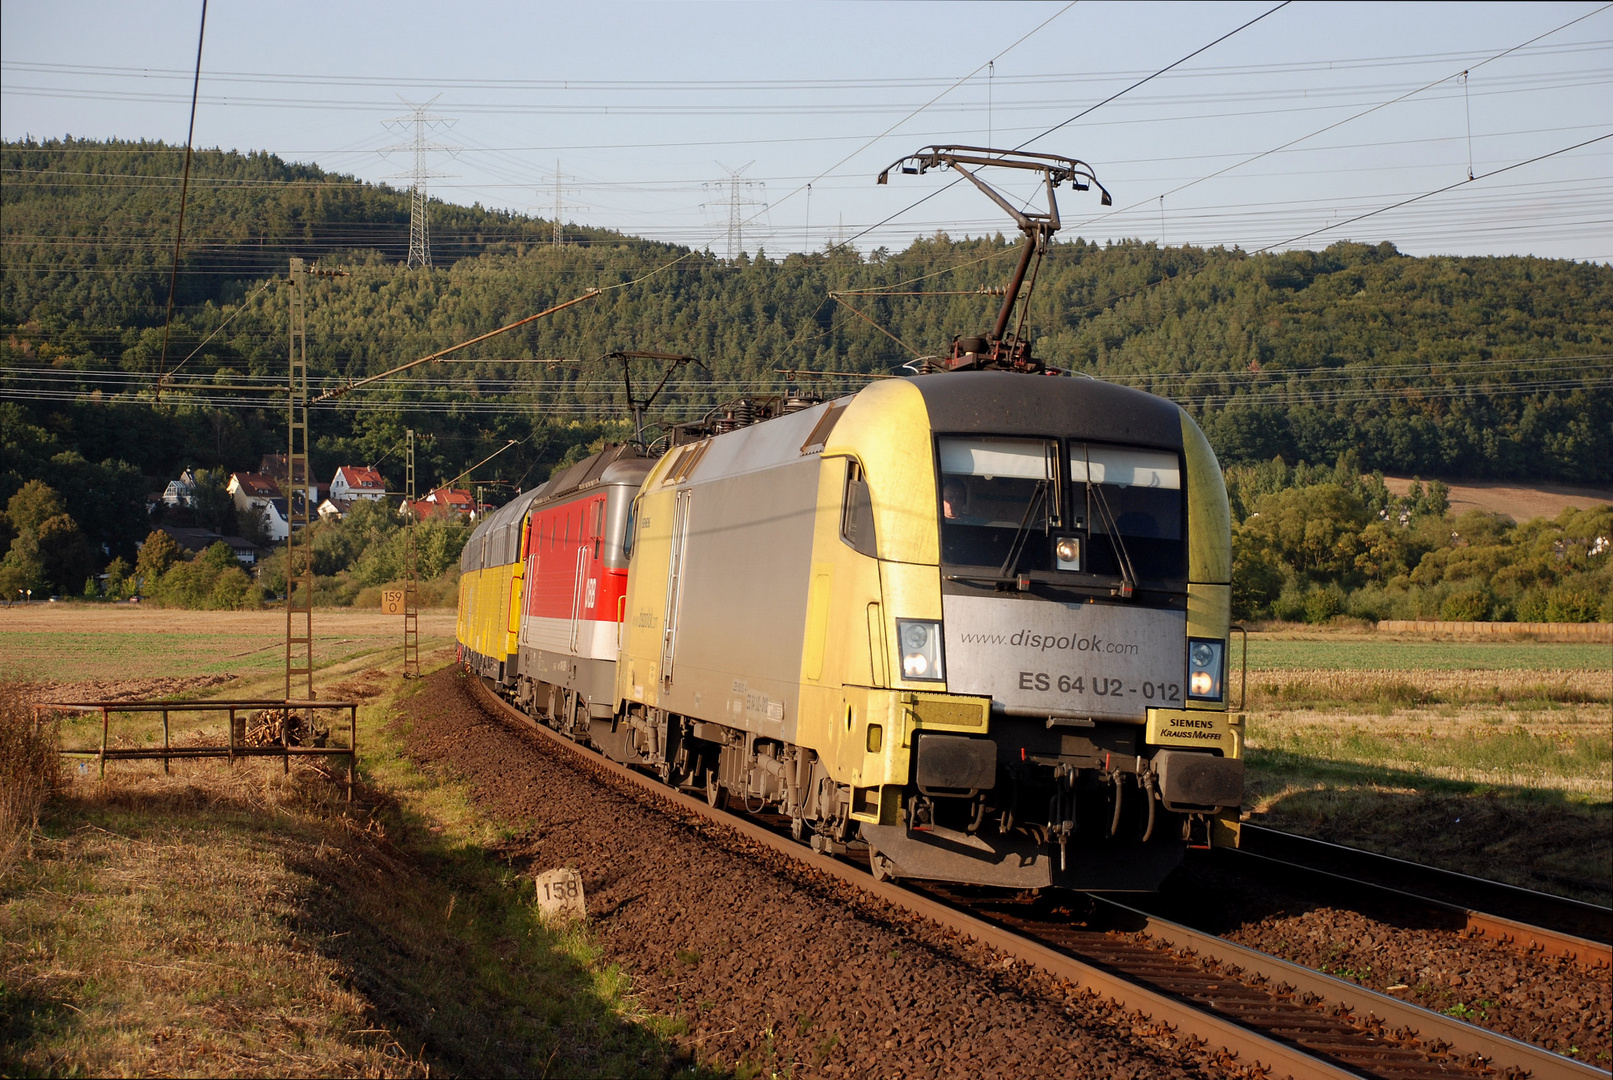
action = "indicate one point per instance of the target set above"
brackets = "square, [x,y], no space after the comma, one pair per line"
[976,620]
[541,590]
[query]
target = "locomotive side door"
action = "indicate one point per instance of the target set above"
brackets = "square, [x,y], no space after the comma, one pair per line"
[579,577]
[674,583]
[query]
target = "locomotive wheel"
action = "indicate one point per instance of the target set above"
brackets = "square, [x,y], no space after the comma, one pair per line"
[883,868]
[714,797]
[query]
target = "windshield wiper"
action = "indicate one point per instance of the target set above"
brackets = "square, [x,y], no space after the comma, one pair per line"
[1128,576]
[1010,568]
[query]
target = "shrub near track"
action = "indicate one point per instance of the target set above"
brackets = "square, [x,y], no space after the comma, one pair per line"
[237,920]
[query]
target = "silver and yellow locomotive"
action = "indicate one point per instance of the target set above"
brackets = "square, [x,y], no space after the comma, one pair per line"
[977,621]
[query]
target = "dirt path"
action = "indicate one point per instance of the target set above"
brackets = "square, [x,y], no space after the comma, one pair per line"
[1520,502]
[774,967]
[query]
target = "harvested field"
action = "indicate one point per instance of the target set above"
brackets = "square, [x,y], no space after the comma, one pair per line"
[1490,758]
[83,650]
[775,970]
[1345,650]
[1519,502]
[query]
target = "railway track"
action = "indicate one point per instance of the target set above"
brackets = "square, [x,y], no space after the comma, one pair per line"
[1261,1010]
[1532,921]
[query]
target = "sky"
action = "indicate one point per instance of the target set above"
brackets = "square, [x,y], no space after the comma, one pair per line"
[1303,128]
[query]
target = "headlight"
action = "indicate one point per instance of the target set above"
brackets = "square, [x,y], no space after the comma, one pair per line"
[1204,668]
[920,643]
[1067,552]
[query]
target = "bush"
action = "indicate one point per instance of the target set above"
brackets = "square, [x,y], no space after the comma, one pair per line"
[233,590]
[213,580]
[1530,606]
[1376,604]
[1290,603]
[1256,582]
[1322,602]
[1572,603]
[1471,603]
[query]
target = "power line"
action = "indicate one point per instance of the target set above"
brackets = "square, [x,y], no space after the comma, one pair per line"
[184,187]
[1365,112]
[1436,191]
[1077,116]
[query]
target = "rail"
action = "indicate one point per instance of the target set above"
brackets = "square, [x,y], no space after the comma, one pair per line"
[1554,925]
[1337,1022]
[233,746]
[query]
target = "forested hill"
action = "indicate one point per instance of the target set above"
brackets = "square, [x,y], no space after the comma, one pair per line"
[1453,367]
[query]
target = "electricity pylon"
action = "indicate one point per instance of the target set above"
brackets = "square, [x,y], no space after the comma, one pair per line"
[419,207]
[735,202]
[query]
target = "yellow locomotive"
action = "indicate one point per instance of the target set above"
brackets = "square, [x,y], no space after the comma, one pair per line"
[977,621]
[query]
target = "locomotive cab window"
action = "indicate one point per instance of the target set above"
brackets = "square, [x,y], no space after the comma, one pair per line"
[1128,501]
[629,529]
[857,513]
[998,503]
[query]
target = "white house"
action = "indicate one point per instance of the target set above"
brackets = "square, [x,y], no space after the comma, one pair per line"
[357,482]
[181,492]
[252,491]
[273,515]
[334,509]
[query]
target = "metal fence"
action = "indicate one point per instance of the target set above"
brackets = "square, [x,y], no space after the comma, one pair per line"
[235,745]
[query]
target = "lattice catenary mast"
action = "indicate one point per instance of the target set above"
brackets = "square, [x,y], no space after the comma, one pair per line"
[299,553]
[411,576]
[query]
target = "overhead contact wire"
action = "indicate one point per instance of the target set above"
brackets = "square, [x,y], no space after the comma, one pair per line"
[1084,112]
[1350,119]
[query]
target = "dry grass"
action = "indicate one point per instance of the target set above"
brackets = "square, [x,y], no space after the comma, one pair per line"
[1397,688]
[29,770]
[156,930]
[235,920]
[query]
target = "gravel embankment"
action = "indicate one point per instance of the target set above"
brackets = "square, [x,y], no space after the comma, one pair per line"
[771,964]
[1548,1001]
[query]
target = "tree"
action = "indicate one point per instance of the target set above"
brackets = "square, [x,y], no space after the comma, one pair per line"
[22,569]
[65,553]
[215,509]
[34,503]
[1316,530]
[157,554]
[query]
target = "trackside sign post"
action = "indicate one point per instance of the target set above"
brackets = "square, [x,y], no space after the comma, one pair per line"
[560,894]
[392,601]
